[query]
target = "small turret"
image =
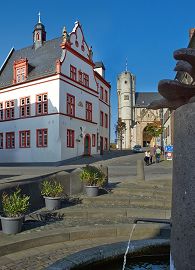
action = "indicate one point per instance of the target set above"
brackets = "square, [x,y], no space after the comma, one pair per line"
[39,34]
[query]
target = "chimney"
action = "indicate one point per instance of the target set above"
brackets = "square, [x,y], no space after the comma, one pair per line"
[191,32]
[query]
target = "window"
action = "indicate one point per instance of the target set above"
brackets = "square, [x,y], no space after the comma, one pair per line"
[1,111]
[106,120]
[42,138]
[9,109]
[20,70]
[86,79]
[42,104]
[80,76]
[70,105]
[24,139]
[73,73]
[70,138]
[25,107]
[88,111]
[101,93]
[10,140]
[106,96]
[101,118]
[1,140]
[106,144]
[93,140]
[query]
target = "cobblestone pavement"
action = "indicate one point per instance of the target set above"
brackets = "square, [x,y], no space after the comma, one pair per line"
[44,256]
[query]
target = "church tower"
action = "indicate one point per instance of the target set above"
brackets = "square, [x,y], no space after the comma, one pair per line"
[126,106]
[39,34]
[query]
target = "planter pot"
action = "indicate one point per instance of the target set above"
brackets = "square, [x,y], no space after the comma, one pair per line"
[92,191]
[52,203]
[12,225]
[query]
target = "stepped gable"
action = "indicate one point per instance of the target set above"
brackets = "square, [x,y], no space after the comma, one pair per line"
[143,99]
[42,61]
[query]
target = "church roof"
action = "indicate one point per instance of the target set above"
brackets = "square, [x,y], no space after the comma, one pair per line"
[42,61]
[143,99]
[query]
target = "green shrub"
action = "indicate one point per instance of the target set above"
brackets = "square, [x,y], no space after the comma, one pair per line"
[92,176]
[51,188]
[16,204]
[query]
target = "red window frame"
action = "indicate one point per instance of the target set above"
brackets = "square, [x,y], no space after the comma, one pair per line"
[25,107]
[101,118]
[1,111]
[24,139]
[9,109]
[105,144]
[101,92]
[70,138]
[106,120]
[80,75]
[86,79]
[1,140]
[106,96]
[42,104]
[88,111]
[20,70]
[10,140]
[93,140]
[42,137]
[70,105]
[73,73]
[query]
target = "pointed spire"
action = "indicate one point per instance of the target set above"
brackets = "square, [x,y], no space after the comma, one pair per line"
[126,65]
[39,14]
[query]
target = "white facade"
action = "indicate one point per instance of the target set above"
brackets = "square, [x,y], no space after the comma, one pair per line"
[57,121]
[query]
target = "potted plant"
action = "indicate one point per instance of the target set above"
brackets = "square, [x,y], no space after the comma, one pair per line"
[52,193]
[93,178]
[14,206]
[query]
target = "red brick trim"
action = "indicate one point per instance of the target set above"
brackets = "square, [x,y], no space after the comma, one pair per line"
[102,79]
[64,114]
[77,82]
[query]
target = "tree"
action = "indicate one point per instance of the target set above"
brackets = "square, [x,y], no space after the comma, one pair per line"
[120,130]
[154,130]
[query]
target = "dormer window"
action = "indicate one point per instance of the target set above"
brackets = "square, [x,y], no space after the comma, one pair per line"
[20,70]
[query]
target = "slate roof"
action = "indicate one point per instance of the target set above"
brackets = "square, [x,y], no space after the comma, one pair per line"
[42,61]
[99,65]
[143,99]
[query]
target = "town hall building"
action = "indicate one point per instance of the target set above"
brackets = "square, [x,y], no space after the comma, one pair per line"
[54,100]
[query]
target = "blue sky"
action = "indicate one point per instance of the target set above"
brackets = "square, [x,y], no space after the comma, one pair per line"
[145,31]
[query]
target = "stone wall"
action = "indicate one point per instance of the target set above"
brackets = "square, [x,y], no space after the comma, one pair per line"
[183,202]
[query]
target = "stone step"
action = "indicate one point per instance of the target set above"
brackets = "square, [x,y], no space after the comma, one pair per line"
[147,185]
[131,201]
[25,240]
[99,214]
[142,192]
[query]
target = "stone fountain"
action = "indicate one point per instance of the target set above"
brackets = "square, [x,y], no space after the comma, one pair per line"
[179,95]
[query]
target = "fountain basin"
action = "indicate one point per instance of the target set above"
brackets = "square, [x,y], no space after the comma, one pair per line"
[111,252]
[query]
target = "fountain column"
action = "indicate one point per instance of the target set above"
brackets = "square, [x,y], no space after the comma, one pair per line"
[183,201]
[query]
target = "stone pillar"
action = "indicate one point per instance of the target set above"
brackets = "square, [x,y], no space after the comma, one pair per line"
[140,170]
[183,201]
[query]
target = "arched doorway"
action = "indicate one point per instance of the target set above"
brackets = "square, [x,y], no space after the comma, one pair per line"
[87,145]
[147,139]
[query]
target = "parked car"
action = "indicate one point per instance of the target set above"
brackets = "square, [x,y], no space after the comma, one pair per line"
[137,149]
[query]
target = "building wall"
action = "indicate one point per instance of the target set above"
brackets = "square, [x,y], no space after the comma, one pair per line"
[32,123]
[57,121]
